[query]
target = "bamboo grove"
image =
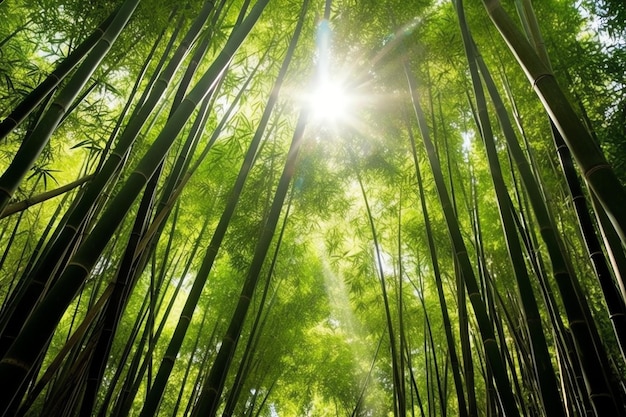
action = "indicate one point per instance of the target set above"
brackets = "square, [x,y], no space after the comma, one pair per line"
[189,227]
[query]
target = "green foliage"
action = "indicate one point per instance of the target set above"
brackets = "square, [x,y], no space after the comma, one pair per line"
[321,347]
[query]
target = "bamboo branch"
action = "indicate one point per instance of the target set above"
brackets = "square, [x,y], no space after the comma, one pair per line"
[40,198]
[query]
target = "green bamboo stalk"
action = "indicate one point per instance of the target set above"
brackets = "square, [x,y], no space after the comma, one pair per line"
[492,351]
[263,402]
[464,338]
[33,145]
[518,331]
[446,377]
[35,97]
[128,269]
[214,385]
[357,406]
[165,368]
[150,336]
[400,302]
[566,358]
[597,386]
[145,206]
[258,324]
[41,324]
[12,284]
[613,246]
[85,92]
[473,208]
[138,81]
[491,392]
[190,364]
[461,296]
[614,302]
[9,302]
[9,243]
[429,345]
[114,310]
[44,270]
[174,188]
[531,180]
[40,198]
[542,364]
[12,408]
[122,357]
[55,365]
[566,355]
[43,262]
[120,407]
[399,395]
[126,369]
[596,170]
[176,180]
[447,325]
[483,277]
[432,411]
[207,354]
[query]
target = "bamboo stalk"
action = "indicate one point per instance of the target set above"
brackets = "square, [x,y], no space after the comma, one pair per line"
[561,268]
[129,269]
[45,270]
[34,144]
[614,302]
[259,322]
[492,351]
[595,168]
[41,324]
[544,372]
[209,398]
[40,198]
[195,292]
[454,359]
[399,396]
[71,343]
[35,97]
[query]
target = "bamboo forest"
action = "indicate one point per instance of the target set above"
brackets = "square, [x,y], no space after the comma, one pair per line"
[325,208]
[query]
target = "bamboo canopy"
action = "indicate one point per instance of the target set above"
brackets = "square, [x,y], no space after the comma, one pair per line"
[306,207]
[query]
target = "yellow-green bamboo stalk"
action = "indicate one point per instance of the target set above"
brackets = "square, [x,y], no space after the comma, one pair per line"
[40,198]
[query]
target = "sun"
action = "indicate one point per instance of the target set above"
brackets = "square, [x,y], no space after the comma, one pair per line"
[329,101]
